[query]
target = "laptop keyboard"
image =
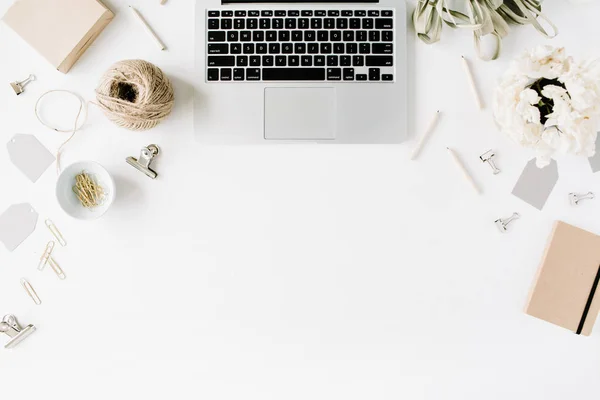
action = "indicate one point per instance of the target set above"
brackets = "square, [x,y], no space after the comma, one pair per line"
[303,45]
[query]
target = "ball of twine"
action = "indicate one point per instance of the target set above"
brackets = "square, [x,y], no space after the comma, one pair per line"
[135,94]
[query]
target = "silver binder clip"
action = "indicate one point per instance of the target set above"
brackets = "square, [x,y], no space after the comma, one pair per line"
[575,198]
[19,87]
[143,163]
[502,223]
[488,157]
[11,327]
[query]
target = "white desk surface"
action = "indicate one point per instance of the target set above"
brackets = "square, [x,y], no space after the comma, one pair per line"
[291,272]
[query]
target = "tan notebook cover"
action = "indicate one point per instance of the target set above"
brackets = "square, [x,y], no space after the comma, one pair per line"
[564,289]
[60,30]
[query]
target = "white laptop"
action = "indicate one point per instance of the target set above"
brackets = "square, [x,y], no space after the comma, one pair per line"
[281,72]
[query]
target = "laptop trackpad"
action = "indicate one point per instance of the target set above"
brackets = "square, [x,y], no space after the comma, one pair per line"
[300,113]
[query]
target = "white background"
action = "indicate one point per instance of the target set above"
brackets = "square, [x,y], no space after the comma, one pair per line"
[290,272]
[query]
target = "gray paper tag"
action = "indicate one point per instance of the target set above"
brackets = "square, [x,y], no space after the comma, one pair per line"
[29,155]
[16,224]
[595,160]
[535,184]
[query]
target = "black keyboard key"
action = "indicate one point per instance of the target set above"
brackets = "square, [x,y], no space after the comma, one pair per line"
[348,74]
[384,23]
[358,61]
[268,61]
[323,36]
[306,61]
[253,74]
[239,23]
[373,13]
[264,23]
[227,13]
[361,36]
[245,36]
[313,48]
[374,36]
[225,74]
[214,13]
[266,13]
[325,48]
[346,13]
[296,36]
[240,13]
[253,13]
[335,36]
[319,61]
[354,23]
[238,74]
[361,77]
[367,23]
[212,74]
[307,13]
[293,13]
[374,74]
[280,13]
[334,74]
[351,48]
[284,36]
[387,36]
[342,23]
[293,74]
[290,23]
[278,23]
[310,36]
[380,61]
[213,24]
[345,61]
[232,36]
[281,61]
[235,48]
[218,49]
[333,13]
[252,23]
[255,61]
[360,13]
[364,48]
[387,77]
[248,48]
[287,48]
[329,23]
[316,23]
[338,48]
[274,48]
[271,36]
[382,48]
[261,48]
[293,61]
[241,61]
[303,23]
[320,13]
[226,24]
[258,36]
[221,61]
[332,61]
[387,13]
[348,36]
[216,36]
[300,48]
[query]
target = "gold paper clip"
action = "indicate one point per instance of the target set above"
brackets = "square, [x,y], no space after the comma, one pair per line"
[47,253]
[56,268]
[31,291]
[56,233]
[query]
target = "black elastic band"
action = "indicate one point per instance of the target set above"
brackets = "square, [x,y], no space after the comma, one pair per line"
[586,310]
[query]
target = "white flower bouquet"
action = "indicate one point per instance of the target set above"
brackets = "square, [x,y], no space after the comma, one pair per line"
[549,103]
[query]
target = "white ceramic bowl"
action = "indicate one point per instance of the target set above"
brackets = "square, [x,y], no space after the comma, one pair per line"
[69,202]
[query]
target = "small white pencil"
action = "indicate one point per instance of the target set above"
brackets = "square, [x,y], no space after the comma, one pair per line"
[147,28]
[425,135]
[472,83]
[464,170]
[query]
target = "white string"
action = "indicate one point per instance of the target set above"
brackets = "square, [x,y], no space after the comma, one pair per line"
[82,105]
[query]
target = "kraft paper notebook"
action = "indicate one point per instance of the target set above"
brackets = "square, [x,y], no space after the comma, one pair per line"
[564,291]
[60,30]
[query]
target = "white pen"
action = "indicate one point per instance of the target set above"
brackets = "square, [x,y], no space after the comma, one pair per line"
[425,135]
[149,30]
[472,83]
[464,170]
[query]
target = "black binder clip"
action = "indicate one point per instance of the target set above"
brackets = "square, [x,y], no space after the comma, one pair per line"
[11,327]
